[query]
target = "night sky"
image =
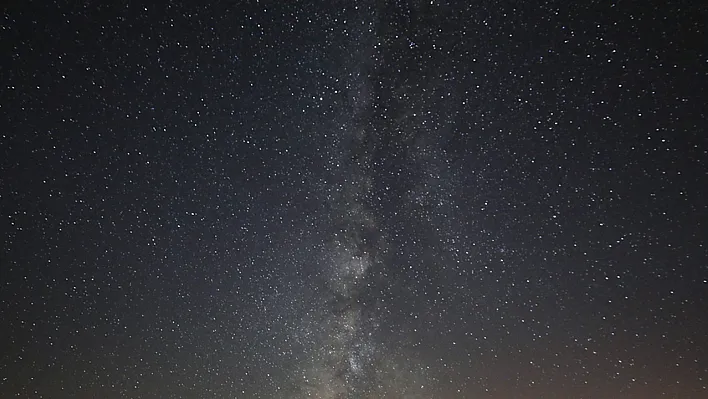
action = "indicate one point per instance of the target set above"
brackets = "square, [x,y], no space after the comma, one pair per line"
[409,199]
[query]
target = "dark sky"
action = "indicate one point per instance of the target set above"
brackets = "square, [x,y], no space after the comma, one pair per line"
[354,200]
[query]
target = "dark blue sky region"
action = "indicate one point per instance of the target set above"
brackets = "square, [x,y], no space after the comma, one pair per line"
[353,200]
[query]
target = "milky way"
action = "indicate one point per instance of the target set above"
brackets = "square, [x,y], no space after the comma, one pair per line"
[344,357]
[357,267]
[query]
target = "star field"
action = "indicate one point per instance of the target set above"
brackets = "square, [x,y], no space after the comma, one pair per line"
[368,199]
